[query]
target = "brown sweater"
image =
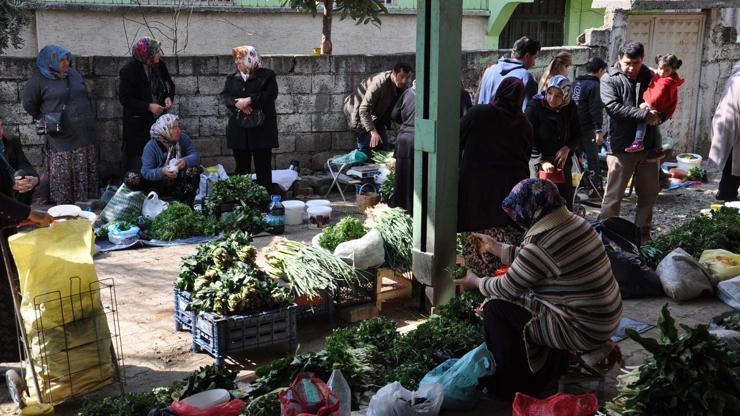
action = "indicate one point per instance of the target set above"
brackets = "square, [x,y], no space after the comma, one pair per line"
[562,275]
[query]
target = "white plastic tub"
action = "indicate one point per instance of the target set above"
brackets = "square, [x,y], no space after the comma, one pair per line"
[208,398]
[319,216]
[294,211]
[318,203]
[686,161]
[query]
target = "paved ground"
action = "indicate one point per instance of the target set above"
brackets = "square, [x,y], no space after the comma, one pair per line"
[156,355]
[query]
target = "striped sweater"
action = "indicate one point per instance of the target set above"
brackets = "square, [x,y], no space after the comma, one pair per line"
[562,275]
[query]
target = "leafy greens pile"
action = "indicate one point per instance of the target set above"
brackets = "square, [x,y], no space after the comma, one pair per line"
[374,354]
[722,231]
[310,270]
[179,221]
[347,229]
[387,189]
[242,218]
[223,278]
[237,189]
[691,374]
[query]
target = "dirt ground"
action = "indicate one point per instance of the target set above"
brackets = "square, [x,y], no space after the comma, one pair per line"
[156,355]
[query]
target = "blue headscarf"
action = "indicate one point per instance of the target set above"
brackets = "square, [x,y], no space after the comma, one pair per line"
[48,61]
[560,82]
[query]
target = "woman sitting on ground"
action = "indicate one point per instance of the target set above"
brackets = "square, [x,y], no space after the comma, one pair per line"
[170,164]
[559,294]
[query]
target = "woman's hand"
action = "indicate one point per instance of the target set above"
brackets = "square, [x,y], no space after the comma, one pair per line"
[486,244]
[168,173]
[548,167]
[25,184]
[562,156]
[167,103]
[181,164]
[156,109]
[242,103]
[42,219]
[470,282]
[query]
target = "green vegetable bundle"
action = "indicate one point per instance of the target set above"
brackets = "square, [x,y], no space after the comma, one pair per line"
[242,218]
[396,229]
[179,221]
[347,229]
[722,231]
[310,270]
[691,374]
[235,190]
[223,278]
[697,174]
[387,189]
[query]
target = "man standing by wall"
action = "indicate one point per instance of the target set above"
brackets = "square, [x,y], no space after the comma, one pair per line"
[587,95]
[523,57]
[368,109]
[621,92]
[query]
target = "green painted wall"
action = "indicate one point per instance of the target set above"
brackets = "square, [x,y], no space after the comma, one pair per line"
[579,16]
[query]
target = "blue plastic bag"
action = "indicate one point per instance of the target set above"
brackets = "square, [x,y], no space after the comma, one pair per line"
[460,378]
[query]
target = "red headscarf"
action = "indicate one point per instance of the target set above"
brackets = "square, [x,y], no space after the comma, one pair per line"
[509,97]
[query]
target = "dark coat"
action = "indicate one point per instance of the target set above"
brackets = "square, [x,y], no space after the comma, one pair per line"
[135,94]
[262,87]
[17,158]
[618,93]
[495,154]
[552,129]
[587,96]
[404,113]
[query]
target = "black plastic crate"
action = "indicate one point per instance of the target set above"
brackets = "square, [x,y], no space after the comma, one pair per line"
[224,335]
[365,292]
[323,309]
[183,317]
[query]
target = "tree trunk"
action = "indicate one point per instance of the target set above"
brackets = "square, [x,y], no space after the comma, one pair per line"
[326,28]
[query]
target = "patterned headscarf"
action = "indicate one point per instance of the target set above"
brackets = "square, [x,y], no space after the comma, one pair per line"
[48,60]
[145,49]
[248,55]
[530,200]
[562,83]
[509,97]
[161,131]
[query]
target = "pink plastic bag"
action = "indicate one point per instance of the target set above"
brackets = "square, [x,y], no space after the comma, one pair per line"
[232,408]
[560,404]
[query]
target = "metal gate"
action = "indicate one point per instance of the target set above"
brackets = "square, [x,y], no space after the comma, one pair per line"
[683,35]
[542,20]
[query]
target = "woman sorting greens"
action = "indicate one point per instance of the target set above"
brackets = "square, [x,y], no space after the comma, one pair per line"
[559,294]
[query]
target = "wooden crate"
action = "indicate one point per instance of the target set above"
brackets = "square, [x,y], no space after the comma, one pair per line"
[392,285]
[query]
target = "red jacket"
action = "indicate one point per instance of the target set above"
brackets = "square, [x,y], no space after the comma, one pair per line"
[662,94]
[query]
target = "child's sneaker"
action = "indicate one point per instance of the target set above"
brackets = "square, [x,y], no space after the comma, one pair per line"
[655,153]
[635,147]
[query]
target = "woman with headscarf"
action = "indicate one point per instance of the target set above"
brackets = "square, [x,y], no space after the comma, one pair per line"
[170,164]
[496,141]
[554,118]
[558,295]
[145,91]
[249,91]
[56,87]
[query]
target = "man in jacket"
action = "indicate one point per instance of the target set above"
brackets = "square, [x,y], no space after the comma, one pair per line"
[368,109]
[587,95]
[621,92]
[523,57]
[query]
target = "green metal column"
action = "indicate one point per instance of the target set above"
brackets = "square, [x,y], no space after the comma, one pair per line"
[436,144]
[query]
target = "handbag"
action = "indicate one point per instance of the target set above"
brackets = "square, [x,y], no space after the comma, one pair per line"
[253,120]
[51,123]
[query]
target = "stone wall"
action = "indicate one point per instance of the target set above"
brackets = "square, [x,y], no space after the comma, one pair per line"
[311,123]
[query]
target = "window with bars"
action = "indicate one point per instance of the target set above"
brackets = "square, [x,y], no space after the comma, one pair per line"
[542,20]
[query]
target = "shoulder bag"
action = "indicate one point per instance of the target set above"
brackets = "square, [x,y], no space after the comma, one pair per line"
[51,123]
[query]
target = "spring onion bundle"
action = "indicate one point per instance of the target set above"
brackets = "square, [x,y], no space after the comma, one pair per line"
[310,270]
[396,229]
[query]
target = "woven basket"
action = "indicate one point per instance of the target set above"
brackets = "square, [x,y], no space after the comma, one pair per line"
[366,200]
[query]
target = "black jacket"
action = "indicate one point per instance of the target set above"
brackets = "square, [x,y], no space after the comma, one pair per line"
[587,96]
[17,159]
[618,93]
[404,113]
[553,129]
[495,150]
[262,87]
[135,93]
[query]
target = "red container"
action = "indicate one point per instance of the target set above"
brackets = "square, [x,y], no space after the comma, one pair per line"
[554,177]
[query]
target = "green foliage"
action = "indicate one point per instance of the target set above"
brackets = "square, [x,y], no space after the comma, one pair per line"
[347,229]
[14,16]
[722,231]
[731,322]
[179,221]
[237,189]
[242,218]
[129,404]
[265,405]
[396,229]
[223,278]
[361,11]
[697,174]
[691,374]
[459,243]
[203,379]
[387,189]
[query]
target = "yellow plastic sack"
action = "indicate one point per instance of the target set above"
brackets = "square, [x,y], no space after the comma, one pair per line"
[62,312]
[722,264]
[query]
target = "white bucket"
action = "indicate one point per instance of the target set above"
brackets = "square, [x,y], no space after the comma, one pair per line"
[294,211]
[319,217]
[685,163]
[318,203]
[208,398]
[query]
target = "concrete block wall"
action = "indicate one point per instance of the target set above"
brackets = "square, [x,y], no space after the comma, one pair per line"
[312,126]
